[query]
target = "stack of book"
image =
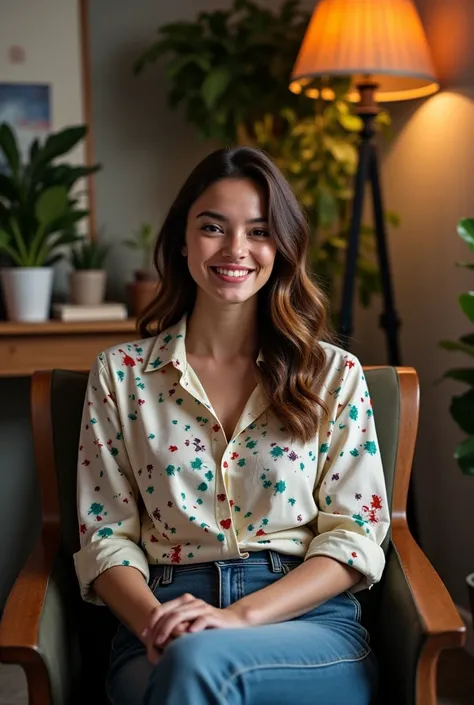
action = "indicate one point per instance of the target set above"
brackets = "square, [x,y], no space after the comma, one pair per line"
[108,311]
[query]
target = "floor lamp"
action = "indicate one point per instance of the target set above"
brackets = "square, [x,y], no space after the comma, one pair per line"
[381,44]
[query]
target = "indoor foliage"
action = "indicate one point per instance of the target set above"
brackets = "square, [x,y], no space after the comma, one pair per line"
[38,213]
[462,406]
[230,69]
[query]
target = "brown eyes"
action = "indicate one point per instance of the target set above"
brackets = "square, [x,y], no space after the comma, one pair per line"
[256,232]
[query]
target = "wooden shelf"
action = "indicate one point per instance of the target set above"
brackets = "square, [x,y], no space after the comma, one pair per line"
[61,328]
[28,347]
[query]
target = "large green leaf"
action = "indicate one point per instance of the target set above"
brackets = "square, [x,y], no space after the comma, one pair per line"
[465,448]
[214,85]
[175,66]
[467,464]
[467,304]
[467,339]
[460,374]
[8,188]
[462,411]
[66,220]
[56,145]
[464,454]
[466,231]
[457,346]
[9,147]
[51,204]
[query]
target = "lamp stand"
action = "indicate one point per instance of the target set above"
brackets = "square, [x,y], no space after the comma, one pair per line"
[368,170]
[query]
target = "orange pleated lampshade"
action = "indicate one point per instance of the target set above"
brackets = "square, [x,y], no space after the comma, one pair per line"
[383,39]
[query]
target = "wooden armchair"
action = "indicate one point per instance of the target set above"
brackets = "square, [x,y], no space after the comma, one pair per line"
[63,644]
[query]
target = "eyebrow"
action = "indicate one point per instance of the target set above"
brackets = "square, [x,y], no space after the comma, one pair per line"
[221,217]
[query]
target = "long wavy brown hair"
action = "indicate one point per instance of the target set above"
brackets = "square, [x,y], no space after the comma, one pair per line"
[292,310]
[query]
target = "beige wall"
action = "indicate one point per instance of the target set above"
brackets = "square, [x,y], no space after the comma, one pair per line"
[428,179]
[48,30]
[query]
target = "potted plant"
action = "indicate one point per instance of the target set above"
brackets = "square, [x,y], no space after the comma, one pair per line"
[38,217]
[142,290]
[88,279]
[462,406]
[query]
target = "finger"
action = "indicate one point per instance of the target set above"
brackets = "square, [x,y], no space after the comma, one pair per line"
[162,609]
[157,635]
[153,653]
[201,623]
[180,629]
[189,613]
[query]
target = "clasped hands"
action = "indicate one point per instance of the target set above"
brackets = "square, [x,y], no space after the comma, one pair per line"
[187,614]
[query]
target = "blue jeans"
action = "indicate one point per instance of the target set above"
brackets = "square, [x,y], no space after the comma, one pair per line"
[320,658]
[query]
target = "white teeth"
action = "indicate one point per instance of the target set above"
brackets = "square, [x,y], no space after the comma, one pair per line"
[232,272]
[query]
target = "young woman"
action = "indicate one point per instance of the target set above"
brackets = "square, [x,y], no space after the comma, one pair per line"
[230,489]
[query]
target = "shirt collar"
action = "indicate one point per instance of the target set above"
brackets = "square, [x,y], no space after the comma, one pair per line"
[169,347]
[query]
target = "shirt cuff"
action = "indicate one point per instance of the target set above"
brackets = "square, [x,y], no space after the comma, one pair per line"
[99,556]
[354,550]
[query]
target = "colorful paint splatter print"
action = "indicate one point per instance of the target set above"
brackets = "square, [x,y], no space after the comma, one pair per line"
[158,481]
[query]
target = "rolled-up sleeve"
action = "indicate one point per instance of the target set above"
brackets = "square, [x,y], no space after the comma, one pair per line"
[353,516]
[107,492]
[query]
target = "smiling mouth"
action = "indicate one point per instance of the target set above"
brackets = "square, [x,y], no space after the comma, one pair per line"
[232,275]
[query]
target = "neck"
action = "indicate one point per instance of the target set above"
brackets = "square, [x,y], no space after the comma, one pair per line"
[222,332]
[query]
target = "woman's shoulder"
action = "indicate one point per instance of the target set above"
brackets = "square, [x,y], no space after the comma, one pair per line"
[337,358]
[134,353]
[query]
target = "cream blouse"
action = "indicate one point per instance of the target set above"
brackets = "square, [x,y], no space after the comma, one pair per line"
[158,481]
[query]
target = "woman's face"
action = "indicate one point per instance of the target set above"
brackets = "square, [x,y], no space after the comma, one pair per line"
[229,247]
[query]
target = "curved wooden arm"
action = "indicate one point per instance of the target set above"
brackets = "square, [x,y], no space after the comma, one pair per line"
[20,624]
[19,627]
[434,604]
[442,624]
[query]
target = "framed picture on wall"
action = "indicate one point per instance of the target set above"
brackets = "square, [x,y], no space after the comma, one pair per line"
[26,107]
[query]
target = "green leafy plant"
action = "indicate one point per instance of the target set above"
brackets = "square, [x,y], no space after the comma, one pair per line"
[462,406]
[89,254]
[230,71]
[144,242]
[38,213]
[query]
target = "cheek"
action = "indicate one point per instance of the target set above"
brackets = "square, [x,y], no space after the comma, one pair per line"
[267,255]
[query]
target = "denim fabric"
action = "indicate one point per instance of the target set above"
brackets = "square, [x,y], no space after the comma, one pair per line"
[320,658]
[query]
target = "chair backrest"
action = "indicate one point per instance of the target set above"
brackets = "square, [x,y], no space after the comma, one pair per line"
[57,402]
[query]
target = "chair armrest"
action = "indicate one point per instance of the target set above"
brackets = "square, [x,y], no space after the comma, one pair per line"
[36,633]
[419,620]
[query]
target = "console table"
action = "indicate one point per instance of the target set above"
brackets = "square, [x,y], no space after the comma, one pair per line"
[27,347]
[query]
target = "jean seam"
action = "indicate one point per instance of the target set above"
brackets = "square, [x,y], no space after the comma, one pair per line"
[271,666]
[219,573]
[356,604]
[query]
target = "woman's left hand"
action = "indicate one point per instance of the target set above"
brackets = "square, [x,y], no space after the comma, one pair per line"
[198,615]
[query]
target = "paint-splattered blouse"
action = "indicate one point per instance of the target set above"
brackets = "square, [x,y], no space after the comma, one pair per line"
[158,481]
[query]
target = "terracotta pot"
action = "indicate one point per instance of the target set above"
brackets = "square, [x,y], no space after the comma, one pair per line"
[140,294]
[87,287]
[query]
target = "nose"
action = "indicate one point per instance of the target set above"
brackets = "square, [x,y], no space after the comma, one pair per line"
[235,246]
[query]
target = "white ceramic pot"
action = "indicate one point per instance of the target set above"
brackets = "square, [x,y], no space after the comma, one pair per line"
[27,292]
[87,287]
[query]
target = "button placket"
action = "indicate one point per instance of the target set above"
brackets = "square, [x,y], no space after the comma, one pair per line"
[223,509]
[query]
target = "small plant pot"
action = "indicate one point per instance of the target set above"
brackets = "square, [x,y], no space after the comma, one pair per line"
[87,287]
[140,294]
[27,292]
